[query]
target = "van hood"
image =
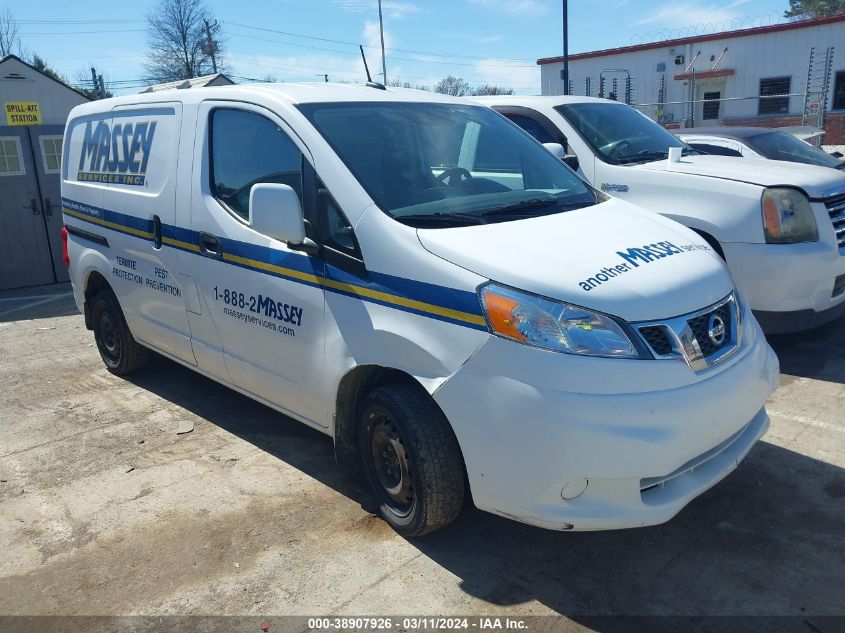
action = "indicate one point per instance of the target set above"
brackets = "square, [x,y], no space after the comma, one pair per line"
[613,257]
[815,181]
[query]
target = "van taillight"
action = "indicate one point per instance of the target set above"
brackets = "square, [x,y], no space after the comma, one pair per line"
[65,254]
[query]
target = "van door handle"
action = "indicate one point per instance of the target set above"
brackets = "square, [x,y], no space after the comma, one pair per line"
[33,206]
[48,209]
[210,245]
[156,232]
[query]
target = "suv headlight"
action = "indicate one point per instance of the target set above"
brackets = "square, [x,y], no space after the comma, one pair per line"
[553,325]
[788,217]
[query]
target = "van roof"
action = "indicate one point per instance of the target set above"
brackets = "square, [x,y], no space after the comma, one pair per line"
[290,93]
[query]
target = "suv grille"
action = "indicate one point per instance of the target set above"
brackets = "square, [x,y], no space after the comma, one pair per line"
[836,209]
[702,338]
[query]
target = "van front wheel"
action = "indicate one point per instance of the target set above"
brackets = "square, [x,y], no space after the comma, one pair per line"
[411,459]
[118,349]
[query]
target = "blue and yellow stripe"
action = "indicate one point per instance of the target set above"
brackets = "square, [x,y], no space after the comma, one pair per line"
[445,304]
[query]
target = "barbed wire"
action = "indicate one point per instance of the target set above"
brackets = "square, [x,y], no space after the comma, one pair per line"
[706,28]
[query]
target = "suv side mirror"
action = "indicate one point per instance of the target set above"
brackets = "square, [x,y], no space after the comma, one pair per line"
[275,211]
[556,149]
[570,160]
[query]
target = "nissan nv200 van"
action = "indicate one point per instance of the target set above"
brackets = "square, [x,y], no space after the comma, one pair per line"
[418,278]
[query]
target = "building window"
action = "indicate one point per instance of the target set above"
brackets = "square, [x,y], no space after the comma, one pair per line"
[11,163]
[774,86]
[710,107]
[51,154]
[839,91]
[247,149]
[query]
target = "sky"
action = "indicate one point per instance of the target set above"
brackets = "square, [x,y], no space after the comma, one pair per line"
[483,41]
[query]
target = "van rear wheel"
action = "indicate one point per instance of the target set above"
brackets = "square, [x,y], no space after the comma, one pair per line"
[118,349]
[411,460]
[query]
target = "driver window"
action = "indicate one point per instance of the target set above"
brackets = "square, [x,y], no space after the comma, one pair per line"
[247,149]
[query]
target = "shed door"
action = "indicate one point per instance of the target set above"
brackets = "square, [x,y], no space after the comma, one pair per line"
[47,143]
[24,248]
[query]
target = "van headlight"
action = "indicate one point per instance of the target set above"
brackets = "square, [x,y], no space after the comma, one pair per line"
[553,325]
[788,217]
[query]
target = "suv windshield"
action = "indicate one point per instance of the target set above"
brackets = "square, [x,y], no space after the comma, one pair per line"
[784,146]
[437,164]
[619,134]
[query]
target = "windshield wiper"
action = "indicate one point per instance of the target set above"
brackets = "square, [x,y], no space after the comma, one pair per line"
[532,204]
[448,219]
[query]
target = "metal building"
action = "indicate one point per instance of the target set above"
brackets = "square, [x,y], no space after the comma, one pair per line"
[35,108]
[772,76]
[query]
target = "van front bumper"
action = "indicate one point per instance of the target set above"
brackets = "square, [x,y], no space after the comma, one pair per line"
[790,287]
[566,442]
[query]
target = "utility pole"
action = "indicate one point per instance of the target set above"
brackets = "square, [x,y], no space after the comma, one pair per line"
[383,60]
[211,46]
[96,82]
[564,74]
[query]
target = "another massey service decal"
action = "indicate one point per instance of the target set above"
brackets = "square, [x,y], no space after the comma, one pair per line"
[115,152]
[635,257]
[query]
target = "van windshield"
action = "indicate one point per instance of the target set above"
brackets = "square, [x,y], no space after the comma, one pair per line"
[619,134]
[437,164]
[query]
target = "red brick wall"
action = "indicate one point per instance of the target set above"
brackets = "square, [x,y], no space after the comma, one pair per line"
[834,125]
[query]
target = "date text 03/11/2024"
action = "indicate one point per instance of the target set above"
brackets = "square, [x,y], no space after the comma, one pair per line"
[260,304]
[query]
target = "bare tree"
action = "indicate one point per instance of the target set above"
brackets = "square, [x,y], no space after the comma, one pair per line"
[490,89]
[454,86]
[398,83]
[178,40]
[10,41]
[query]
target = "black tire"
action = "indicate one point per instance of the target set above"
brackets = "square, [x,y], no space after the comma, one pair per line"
[118,348]
[411,459]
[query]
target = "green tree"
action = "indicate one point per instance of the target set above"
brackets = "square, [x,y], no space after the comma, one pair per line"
[814,8]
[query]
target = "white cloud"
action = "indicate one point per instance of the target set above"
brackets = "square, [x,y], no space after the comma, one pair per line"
[514,7]
[680,14]
[300,68]
[372,38]
[390,8]
[508,74]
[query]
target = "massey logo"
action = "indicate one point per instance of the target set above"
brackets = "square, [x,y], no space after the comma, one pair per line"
[116,153]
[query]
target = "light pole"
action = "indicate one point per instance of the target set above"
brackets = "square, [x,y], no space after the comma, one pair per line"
[381,32]
[564,74]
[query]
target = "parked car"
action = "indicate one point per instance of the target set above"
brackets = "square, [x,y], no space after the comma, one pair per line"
[780,226]
[757,142]
[419,279]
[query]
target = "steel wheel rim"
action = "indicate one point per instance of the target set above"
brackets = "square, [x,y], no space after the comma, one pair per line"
[391,464]
[109,337]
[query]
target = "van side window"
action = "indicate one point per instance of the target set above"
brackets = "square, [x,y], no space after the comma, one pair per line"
[247,149]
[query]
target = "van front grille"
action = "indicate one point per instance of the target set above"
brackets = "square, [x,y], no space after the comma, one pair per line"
[836,209]
[702,338]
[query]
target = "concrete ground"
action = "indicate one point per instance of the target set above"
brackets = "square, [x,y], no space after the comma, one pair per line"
[106,509]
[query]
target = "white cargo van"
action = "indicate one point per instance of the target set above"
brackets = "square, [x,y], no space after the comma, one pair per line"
[421,280]
[780,226]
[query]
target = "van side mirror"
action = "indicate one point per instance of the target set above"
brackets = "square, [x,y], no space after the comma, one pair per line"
[275,211]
